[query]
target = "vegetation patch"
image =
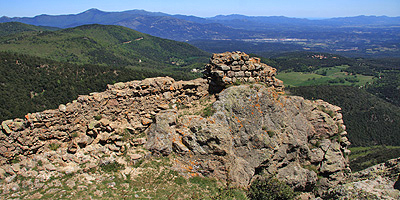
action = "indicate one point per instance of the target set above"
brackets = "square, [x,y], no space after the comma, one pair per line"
[364,157]
[54,146]
[111,167]
[208,111]
[270,189]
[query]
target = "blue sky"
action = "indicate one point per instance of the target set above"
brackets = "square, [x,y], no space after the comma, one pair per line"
[208,8]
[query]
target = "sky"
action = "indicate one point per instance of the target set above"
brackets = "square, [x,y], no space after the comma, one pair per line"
[208,8]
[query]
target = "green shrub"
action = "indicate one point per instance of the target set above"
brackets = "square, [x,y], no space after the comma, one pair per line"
[74,135]
[271,133]
[98,117]
[268,188]
[327,111]
[180,180]
[111,167]
[54,146]
[208,111]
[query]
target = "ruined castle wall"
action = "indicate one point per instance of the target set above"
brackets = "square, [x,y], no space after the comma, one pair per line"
[94,118]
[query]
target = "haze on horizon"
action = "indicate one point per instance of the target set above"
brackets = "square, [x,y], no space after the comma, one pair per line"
[209,8]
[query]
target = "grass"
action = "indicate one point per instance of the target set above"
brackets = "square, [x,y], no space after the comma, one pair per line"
[156,181]
[324,76]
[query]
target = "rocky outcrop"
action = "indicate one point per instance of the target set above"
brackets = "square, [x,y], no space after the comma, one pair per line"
[233,67]
[256,130]
[377,182]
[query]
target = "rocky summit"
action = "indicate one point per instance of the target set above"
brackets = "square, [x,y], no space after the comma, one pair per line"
[233,125]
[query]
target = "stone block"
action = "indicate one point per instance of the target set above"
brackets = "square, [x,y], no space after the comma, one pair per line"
[236,68]
[224,67]
[239,74]
[230,74]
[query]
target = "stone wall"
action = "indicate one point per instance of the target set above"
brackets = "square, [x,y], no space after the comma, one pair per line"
[232,67]
[94,118]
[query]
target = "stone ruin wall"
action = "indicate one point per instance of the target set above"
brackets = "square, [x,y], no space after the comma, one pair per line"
[233,67]
[122,107]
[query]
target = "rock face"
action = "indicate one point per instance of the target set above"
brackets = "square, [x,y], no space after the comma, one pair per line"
[255,129]
[232,67]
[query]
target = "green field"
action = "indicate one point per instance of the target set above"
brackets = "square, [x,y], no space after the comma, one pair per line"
[324,76]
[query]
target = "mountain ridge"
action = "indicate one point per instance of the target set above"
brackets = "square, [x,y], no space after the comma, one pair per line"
[222,24]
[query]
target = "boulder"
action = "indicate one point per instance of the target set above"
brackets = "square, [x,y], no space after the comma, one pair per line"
[160,134]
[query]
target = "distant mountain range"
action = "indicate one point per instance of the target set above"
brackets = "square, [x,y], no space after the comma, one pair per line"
[182,27]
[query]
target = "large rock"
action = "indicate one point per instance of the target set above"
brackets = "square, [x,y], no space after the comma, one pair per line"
[161,133]
[255,130]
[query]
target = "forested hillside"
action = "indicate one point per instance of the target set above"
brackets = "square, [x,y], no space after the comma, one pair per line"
[30,84]
[104,45]
[41,69]
[369,119]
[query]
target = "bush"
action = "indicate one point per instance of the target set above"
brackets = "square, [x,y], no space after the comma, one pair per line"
[268,188]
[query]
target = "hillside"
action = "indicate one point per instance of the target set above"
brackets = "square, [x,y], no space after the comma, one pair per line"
[369,120]
[31,84]
[104,45]
[17,27]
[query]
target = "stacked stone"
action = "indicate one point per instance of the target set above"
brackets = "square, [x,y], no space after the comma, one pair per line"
[95,118]
[232,67]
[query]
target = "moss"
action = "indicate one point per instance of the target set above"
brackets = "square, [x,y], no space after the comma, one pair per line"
[74,135]
[311,168]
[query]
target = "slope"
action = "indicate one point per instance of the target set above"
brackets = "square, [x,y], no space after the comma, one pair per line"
[104,45]
[17,27]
